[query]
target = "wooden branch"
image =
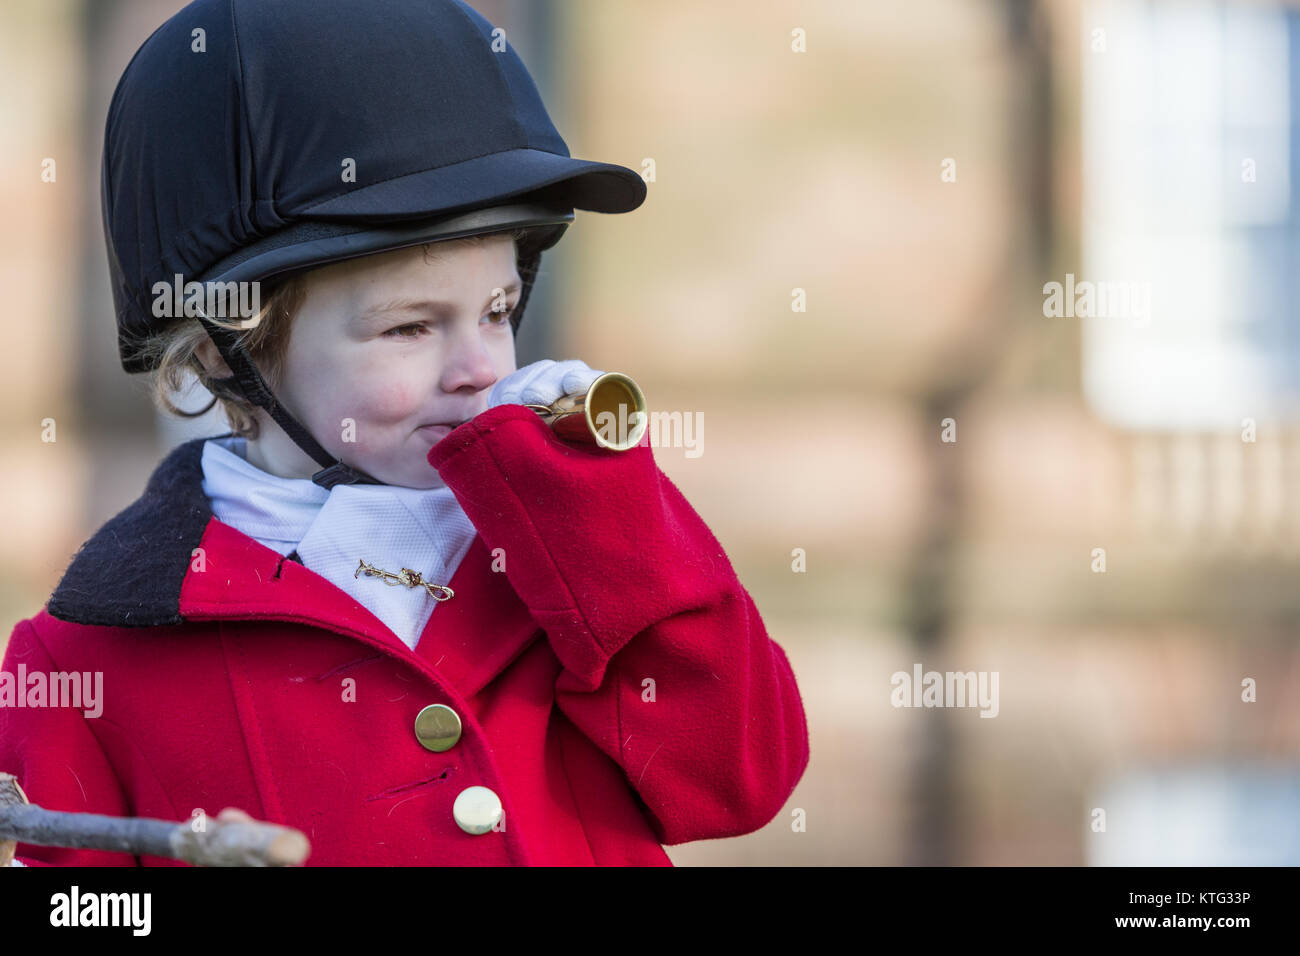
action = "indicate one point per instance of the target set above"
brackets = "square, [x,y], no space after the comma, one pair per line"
[232,839]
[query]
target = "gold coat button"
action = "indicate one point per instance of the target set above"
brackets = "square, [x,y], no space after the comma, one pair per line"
[477,810]
[437,727]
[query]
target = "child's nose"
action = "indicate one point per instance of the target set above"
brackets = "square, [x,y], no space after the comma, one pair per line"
[469,366]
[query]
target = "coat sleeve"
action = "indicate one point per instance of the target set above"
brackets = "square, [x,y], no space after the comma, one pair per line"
[667,666]
[56,758]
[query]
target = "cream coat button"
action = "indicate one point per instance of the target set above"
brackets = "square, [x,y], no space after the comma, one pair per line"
[477,810]
[437,727]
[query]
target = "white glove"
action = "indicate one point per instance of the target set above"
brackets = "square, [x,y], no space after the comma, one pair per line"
[542,383]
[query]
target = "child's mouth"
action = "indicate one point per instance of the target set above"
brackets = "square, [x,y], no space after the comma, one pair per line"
[435,433]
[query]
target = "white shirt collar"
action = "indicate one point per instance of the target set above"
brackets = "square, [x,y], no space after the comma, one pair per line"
[333,529]
[275,511]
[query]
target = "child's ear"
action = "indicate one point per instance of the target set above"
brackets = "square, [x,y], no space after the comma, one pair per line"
[212,360]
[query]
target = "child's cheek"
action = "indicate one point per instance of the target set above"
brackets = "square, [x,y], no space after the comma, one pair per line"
[386,399]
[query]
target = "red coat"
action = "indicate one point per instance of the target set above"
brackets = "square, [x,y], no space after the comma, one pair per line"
[616,686]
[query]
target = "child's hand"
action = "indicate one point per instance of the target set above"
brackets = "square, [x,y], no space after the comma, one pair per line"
[542,383]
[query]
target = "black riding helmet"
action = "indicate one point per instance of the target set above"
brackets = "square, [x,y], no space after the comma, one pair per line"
[248,140]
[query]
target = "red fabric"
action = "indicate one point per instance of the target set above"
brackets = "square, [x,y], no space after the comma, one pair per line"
[610,581]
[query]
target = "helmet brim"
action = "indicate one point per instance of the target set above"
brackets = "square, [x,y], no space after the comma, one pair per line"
[308,244]
[495,178]
[520,187]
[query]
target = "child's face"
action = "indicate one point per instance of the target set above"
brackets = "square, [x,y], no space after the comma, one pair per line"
[385,344]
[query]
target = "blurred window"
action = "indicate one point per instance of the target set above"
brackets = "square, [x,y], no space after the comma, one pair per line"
[1189,153]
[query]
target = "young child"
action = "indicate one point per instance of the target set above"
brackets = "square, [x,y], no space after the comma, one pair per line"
[391,607]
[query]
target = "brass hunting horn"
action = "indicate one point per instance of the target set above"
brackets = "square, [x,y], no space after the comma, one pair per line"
[611,412]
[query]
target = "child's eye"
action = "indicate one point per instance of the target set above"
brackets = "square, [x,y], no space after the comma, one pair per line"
[396,333]
[413,330]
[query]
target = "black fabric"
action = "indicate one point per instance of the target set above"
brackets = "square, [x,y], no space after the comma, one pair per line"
[129,573]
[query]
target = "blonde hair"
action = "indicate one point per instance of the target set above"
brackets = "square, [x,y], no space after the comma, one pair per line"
[173,352]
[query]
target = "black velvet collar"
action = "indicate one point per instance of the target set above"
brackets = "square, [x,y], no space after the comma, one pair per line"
[129,573]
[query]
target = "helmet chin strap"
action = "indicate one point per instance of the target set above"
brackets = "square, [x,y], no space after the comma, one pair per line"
[249,383]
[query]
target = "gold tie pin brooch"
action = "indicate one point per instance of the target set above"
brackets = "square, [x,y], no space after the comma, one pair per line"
[408,577]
